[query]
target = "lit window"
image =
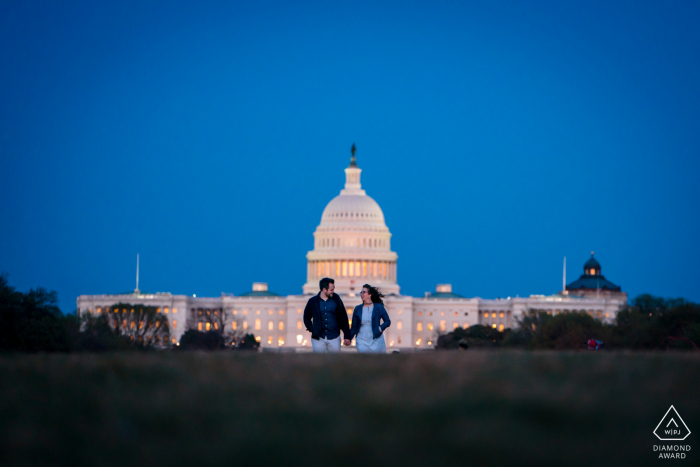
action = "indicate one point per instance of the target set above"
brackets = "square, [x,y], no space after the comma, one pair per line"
[174,310]
[430,326]
[257,324]
[271,312]
[364,268]
[235,312]
[399,325]
[257,312]
[216,325]
[493,325]
[199,326]
[280,341]
[442,313]
[90,310]
[208,326]
[173,337]
[257,339]
[281,312]
[174,323]
[420,313]
[455,325]
[157,310]
[245,312]
[419,327]
[299,324]
[345,268]
[281,325]
[500,327]
[357,268]
[501,315]
[466,325]
[299,311]
[99,311]
[442,325]
[165,310]
[351,271]
[299,338]
[270,326]
[607,315]
[133,325]
[398,312]
[234,325]
[418,342]
[592,272]
[245,325]
[455,313]
[269,340]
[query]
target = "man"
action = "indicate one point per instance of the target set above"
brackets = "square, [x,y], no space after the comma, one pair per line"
[325,317]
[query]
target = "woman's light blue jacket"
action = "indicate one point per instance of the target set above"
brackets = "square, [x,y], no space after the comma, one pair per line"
[378,313]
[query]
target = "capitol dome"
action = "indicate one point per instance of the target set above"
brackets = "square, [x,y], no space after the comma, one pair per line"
[353,209]
[352,244]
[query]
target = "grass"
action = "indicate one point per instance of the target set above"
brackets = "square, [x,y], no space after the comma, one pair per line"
[436,408]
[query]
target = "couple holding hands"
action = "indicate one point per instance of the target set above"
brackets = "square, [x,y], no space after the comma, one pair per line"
[325,317]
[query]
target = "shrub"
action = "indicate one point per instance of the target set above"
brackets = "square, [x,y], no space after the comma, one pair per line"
[201,340]
[474,336]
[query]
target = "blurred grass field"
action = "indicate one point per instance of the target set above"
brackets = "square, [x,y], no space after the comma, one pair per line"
[434,408]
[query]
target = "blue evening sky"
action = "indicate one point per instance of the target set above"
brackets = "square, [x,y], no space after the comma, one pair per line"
[498,137]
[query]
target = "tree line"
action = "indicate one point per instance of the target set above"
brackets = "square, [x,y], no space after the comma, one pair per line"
[32,322]
[647,323]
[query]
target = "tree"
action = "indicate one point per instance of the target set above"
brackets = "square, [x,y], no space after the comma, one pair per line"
[32,321]
[142,325]
[217,321]
[649,321]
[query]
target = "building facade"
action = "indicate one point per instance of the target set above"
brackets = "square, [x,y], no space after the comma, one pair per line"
[352,244]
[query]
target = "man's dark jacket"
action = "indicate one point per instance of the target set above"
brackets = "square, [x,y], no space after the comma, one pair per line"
[312,316]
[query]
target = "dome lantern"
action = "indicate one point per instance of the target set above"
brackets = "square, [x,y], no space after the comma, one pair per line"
[352,177]
[592,267]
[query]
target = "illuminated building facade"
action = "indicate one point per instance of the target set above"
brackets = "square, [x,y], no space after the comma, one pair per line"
[352,244]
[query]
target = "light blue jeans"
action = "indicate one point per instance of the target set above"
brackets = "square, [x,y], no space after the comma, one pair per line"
[326,345]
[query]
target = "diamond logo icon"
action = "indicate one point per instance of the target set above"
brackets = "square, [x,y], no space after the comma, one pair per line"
[671,427]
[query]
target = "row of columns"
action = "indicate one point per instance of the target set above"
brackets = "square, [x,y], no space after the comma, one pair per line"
[352,268]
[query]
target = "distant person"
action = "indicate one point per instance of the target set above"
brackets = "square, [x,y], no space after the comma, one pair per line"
[366,319]
[595,344]
[325,317]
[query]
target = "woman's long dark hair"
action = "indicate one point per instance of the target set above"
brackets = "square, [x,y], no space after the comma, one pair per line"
[374,293]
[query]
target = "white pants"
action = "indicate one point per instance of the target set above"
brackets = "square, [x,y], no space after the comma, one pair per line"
[326,345]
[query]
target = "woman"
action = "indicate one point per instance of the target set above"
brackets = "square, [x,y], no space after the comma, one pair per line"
[365,321]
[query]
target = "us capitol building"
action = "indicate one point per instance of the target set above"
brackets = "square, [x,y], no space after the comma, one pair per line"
[352,244]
